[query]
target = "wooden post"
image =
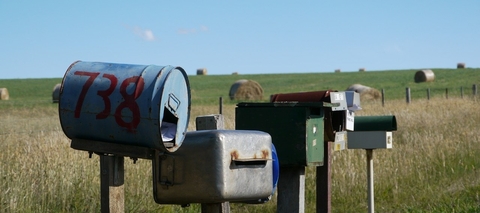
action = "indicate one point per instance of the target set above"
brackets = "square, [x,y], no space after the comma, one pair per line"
[210,122]
[324,181]
[408,95]
[383,97]
[111,184]
[291,190]
[220,105]
[474,90]
[446,93]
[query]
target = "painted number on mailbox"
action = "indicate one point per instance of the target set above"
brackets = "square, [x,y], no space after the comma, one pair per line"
[128,103]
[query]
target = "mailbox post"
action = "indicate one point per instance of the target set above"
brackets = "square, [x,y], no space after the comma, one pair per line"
[372,132]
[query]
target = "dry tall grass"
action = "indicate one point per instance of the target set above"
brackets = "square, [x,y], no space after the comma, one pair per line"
[433,166]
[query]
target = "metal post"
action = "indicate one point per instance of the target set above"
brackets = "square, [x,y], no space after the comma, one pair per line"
[446,93]
[210,122]
[428,94]
[408,95]
[111,184]
[383,97]
[474,90]
[371,202]
[324,180]
[291,190]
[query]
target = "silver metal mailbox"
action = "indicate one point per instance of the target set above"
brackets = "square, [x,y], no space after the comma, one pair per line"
[214,166]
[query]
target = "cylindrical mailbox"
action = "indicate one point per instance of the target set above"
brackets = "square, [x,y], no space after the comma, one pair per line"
[138,105]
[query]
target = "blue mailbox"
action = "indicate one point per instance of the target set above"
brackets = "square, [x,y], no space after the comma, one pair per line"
[138,105]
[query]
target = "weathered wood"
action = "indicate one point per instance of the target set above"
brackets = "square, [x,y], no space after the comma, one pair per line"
[324,181]
[383,97]
[216,207]
[408,95]
[111,184]
[210,122]
[291,190]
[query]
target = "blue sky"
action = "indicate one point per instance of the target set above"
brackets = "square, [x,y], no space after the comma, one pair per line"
[40,39]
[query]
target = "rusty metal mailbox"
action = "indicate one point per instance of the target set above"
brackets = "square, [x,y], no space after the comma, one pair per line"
[215,166]
[135,105]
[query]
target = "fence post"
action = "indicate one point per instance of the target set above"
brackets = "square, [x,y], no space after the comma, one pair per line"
[383,97]
[474,90]
[428,94]
[220,105]
[446,93]
[408,95]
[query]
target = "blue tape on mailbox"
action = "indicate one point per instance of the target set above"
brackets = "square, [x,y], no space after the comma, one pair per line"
[139,105]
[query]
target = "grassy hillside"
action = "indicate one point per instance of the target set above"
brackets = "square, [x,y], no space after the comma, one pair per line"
[207,89]
[433,167]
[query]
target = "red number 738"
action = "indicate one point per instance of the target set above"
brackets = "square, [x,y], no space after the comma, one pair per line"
[129,99]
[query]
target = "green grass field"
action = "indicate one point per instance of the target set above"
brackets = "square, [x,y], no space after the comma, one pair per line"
[433,167]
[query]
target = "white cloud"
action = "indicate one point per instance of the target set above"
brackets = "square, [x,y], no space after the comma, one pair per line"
[145,34]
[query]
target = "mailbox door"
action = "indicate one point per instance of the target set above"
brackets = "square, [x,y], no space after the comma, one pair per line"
[314,132]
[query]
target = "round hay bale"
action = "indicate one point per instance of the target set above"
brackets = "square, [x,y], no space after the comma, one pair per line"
[358,88]
[4,94]
[424,76]
[246,90]
[202,71]
[361,70]
[338,70]
[366,93]
[56,93]
[460,65]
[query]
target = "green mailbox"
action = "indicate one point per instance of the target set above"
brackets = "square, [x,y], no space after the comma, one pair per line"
[299,123]
[297,128]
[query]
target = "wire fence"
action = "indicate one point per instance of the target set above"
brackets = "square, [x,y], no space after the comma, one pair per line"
[459,92]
